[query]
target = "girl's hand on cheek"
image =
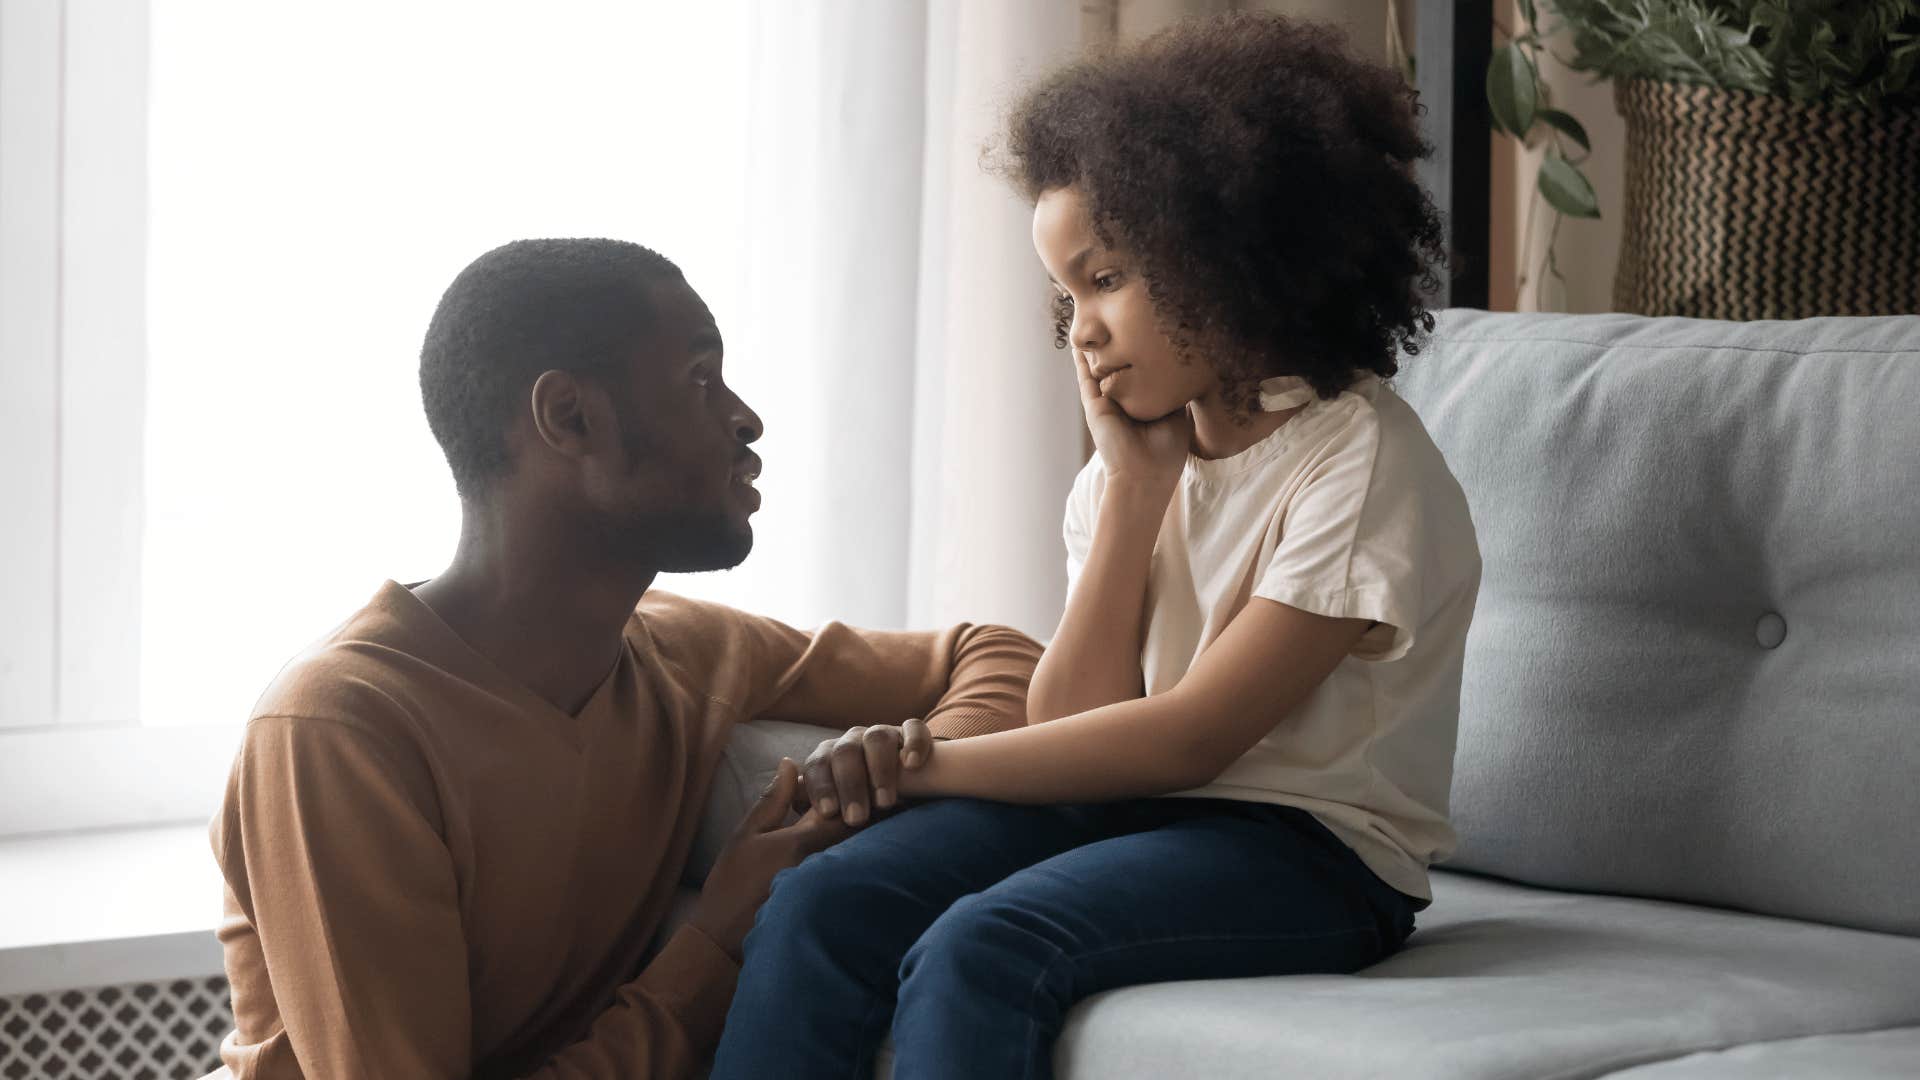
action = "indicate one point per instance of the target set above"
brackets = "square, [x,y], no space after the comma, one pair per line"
[1151,453]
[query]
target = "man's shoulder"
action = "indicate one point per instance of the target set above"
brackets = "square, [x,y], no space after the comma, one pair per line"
[681,624]
[357,675]
[345,703]
[715,649]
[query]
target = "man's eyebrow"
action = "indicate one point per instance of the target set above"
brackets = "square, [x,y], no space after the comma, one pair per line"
[707,339]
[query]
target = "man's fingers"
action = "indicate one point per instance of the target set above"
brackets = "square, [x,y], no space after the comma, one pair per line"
[918,744]
[882,746]
[814,832]
[771,810]
[850,776]
[820,789]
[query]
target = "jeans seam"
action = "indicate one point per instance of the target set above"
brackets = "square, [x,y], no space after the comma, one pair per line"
[1033,993]
[1059,953]
[867,1024]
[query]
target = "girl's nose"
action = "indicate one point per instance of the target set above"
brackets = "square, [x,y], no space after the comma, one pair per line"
[1088,332]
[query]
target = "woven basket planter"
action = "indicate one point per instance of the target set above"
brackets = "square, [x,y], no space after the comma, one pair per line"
[1746,206]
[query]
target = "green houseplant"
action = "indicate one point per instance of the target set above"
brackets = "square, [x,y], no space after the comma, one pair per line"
[1832,70]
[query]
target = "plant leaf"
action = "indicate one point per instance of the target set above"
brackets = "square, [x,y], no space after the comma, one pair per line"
[1511,93]
[1566,125]
[1566,189]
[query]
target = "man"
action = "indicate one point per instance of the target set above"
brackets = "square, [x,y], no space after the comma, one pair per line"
[455,825]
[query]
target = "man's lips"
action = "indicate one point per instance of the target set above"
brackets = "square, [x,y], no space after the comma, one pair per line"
[744,475]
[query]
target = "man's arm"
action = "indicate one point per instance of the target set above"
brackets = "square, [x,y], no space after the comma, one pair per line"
[330,841]
[966,680]
[875,686]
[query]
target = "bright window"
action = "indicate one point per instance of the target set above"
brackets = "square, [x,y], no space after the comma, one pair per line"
[318,175]
[190,514]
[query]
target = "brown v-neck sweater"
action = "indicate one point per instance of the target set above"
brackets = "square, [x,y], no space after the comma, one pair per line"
[432,872]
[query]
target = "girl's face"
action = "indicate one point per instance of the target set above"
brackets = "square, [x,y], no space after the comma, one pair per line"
[1113,323]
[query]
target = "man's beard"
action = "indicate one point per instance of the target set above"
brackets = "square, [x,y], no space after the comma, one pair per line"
[678,542]
[681,542]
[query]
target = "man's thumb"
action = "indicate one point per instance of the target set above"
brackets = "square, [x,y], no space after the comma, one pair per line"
[774,802]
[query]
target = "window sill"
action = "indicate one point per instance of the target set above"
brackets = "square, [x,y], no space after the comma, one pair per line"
[101,908]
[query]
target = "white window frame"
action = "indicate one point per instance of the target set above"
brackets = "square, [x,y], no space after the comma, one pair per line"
[73,251]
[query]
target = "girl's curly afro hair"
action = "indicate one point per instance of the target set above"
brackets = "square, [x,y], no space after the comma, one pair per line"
[1263,178]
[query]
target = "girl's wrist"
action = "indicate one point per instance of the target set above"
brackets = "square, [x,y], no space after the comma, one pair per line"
[920,783]
[1131,493]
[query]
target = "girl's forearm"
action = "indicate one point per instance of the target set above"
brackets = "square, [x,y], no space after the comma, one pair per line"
[1094,657]
[1133,749]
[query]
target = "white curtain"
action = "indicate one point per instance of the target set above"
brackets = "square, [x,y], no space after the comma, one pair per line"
[922,430]
[924,456]
[814,167]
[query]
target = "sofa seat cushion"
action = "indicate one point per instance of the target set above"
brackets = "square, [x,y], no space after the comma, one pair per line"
[1503,980]
[1860,1055]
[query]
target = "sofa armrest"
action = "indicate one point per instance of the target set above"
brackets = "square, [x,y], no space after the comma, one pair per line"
[746,767]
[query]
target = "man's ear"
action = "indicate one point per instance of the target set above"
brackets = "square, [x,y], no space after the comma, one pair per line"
[569,415]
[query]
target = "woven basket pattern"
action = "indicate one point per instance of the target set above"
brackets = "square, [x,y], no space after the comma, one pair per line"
[1747,206]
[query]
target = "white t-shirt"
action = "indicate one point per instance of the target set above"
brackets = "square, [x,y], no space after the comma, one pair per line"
[1348,510]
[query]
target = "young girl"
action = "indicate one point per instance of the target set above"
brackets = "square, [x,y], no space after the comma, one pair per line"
[1240,740]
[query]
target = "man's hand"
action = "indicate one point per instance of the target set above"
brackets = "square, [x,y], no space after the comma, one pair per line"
[742,876]
[861,769]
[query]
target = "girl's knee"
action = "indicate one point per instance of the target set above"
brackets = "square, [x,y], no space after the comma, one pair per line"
[817,893]
[981,933]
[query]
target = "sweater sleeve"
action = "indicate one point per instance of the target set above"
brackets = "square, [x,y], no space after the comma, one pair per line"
[968,679]
[344,939]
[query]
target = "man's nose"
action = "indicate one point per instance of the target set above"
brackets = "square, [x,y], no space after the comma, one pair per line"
[746,423]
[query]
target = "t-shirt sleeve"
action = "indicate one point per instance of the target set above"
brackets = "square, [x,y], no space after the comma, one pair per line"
[1083,504]
[1350,542]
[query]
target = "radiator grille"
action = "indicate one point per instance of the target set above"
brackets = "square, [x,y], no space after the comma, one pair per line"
[139,1031]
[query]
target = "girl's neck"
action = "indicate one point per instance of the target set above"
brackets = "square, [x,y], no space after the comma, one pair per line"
[1220,432]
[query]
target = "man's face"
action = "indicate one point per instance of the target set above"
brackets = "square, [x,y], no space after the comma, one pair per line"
[682,492]
[1113,323]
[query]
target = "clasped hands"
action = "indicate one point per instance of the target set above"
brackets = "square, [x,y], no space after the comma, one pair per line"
[856,776]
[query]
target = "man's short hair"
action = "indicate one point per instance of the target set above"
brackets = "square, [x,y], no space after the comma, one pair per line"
[525,308]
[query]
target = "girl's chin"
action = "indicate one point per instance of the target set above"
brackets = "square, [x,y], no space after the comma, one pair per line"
[1151,412]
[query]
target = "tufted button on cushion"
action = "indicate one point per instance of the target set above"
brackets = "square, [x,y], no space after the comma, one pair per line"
[1647,494]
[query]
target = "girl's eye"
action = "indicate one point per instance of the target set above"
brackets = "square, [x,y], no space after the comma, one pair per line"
[1062,300]
[1107,282]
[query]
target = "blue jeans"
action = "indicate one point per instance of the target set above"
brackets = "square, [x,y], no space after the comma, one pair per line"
[970,928]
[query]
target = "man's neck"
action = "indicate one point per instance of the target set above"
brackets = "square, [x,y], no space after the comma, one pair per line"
[550,618]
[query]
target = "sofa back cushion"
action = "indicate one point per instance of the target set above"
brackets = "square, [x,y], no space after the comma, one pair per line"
[1694,672]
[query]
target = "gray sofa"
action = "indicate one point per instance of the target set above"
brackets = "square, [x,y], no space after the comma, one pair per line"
[1688,778]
